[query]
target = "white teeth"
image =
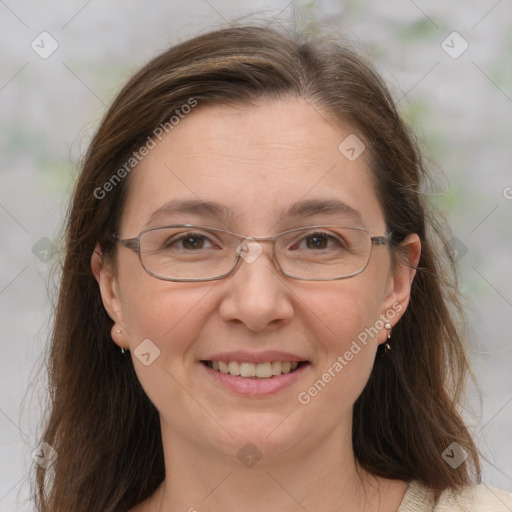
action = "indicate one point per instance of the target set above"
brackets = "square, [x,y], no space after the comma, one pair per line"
[264,370]
[234,368]
[260,370]
[247,369]
[276,368]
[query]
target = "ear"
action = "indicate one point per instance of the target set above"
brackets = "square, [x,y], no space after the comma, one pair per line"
[400,282]
[109,290]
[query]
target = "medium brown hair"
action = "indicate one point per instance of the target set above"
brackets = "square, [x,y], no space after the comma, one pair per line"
[103,426]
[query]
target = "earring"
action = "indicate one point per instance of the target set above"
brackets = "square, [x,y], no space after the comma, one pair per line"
[119,331]
[387,346]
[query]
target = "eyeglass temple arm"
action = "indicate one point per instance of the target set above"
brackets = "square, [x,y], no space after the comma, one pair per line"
[380,240]
[129,243]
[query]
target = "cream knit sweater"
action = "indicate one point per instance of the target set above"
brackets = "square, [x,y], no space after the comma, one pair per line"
[478,498]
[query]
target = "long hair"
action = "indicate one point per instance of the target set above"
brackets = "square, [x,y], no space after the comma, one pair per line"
[101,423]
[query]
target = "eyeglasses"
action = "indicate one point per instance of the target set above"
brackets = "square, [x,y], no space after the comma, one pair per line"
[186,252]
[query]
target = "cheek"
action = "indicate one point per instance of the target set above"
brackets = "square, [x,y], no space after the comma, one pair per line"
[170,314]
[345,322]
[341,313]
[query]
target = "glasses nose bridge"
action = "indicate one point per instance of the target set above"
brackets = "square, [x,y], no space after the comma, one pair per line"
[251,239]
[258,239]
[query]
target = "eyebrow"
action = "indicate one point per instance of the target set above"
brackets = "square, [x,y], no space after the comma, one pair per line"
[326,207]
[192,207]
[211,209]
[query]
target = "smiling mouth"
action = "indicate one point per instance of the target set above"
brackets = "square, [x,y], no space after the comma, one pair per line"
[265,370]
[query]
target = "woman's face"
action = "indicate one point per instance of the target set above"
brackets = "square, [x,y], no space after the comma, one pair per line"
[255,162]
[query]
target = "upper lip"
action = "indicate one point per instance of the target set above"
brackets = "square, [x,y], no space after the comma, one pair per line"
[254,357]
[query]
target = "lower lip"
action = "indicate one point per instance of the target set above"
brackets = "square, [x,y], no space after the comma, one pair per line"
[254,386]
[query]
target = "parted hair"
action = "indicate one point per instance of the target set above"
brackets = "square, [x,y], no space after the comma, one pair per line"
[103,426]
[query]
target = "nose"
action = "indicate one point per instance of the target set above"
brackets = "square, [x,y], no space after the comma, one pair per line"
[255,294]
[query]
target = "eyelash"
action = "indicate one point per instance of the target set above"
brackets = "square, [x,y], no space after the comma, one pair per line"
[319,234]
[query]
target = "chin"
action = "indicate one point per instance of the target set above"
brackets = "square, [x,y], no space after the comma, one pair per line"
[271,434]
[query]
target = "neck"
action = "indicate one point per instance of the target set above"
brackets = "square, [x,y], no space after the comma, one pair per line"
[321,477]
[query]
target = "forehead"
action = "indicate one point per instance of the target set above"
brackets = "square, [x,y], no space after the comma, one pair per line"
[253,167]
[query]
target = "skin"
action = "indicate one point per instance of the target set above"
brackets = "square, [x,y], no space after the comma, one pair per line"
[256,160]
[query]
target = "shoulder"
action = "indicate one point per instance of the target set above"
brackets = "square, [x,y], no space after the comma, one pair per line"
[475,498]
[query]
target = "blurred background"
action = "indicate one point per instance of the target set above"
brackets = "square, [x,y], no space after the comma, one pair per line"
[61,63]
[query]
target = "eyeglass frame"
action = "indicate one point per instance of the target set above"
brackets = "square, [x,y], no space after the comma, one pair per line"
[134,245]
